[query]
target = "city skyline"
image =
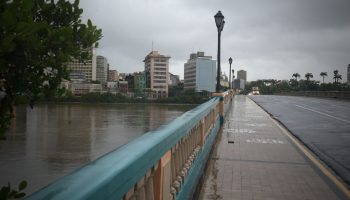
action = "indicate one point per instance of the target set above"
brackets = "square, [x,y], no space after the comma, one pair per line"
[268,39]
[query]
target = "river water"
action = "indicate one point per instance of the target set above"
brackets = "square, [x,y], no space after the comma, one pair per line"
[52,140]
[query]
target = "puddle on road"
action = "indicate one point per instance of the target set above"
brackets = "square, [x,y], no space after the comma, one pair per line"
[264,141]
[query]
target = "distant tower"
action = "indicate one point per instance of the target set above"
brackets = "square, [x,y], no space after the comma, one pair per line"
[157,66]
[241,74]
[242,77]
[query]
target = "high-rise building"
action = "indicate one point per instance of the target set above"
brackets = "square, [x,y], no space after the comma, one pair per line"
[173,79]
[241,74]
[86,68]
[157,66]
[348,74]
[239,84]
[113,75]
[200,73]
[101,69]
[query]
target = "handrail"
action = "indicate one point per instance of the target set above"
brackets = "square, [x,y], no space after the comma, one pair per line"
[142,162]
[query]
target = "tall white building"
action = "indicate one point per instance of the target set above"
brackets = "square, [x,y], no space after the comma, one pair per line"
[200,73]
[157,68]
[101,69]
[86,69]
[241,74]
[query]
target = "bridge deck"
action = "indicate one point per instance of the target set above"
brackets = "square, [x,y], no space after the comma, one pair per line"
[255,158]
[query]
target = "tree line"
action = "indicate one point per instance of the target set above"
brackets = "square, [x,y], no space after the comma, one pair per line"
[273,86]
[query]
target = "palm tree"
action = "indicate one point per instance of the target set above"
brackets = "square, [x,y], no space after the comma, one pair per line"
[336,76]
[296,75]
[323,74]
[308,76]
[273,82]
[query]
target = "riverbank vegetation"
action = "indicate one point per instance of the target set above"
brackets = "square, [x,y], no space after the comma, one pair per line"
[181,98]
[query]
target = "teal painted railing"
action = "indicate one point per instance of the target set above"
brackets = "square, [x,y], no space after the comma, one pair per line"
[161,164]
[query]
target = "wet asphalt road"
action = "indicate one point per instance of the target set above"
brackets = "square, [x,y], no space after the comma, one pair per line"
[323,125]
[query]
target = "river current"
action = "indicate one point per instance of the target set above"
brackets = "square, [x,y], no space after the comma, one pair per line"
[52,140]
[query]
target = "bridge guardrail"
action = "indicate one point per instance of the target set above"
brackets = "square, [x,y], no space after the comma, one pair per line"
[163,164]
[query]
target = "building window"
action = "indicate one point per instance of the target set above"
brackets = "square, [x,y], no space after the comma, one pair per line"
[159,64]
[160,69]
[159,87]
[159,81]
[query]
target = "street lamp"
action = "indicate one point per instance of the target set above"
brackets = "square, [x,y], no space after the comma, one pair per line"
[230,61]
[233,75]
[219,20]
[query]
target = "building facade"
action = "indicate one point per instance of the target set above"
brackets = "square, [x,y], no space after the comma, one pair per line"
[77,77]
[242,74]
[87,68]
[157,66]
[174,79]
[130,78]
[113,75]
[140,82]
[200,73]
[239,84]
[79,89]
[123,87]
[101,69]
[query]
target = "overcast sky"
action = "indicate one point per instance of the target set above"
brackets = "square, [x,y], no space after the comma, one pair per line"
[267,38]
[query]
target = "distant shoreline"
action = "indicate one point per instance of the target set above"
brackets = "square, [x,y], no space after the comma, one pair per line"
[81,102]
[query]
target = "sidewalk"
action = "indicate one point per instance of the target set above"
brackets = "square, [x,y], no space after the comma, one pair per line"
[254,159]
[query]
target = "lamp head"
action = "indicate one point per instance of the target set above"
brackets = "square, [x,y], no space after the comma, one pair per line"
[219,20]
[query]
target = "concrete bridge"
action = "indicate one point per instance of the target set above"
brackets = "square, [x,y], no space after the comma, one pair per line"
[253,158]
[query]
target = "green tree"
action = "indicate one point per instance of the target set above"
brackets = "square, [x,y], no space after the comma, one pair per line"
[296,75]
[36,38]
[308,76]
[336,76]
[323,74]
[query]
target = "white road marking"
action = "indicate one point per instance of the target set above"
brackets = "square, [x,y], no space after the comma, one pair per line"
[264,141]
[325,114]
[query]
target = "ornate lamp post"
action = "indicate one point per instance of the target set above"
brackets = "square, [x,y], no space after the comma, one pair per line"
[230,83]
[219,20]
[233,75]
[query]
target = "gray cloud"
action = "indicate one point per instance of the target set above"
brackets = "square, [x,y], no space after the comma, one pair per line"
[269,38]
